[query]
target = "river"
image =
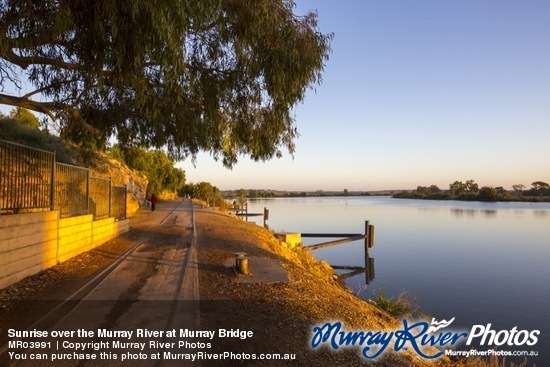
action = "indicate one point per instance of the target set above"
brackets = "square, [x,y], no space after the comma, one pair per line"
[478,262]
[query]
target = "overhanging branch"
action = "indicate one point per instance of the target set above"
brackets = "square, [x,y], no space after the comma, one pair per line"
[42,107]
[48,108]
[25,61]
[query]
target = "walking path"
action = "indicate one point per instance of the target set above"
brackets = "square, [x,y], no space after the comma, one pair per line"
[152,286]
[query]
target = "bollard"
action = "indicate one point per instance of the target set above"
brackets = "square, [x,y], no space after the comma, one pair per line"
[242,265]
[241,262]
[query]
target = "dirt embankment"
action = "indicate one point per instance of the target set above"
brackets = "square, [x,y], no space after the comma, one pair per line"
[281,314]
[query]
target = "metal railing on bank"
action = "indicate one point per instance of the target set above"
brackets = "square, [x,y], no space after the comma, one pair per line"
[31,181]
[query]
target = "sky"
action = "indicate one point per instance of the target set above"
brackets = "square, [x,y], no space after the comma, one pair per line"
[416,93]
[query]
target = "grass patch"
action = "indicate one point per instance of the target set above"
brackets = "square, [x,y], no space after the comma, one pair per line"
[403,305]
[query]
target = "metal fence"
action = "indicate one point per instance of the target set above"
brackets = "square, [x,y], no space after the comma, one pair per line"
[118,201]
[31,180]
[25,177]
[100,196]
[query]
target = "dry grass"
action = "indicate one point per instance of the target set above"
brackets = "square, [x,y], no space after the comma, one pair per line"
[492,361]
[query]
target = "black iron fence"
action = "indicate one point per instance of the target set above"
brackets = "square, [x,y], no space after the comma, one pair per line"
[71,189]
[100,196]
[25,177]
[118,201]
[31,180]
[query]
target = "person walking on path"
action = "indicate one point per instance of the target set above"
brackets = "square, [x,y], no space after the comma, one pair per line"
[153,202]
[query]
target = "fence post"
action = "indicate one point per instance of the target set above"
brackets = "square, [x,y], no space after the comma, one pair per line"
[52,186]
[88,191]
[110,194]
[125,193]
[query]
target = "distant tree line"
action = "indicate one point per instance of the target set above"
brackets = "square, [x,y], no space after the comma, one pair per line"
[258,194]
[206,192]
[470,191]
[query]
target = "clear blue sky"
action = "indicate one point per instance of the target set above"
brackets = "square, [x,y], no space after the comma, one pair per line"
[417,93]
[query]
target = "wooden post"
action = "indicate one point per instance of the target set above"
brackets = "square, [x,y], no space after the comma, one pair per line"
[367,228]
[266,217]
[371,269]
[367,245]
[371,235]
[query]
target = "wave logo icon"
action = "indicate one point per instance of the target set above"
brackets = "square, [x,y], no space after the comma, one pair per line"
[437,325]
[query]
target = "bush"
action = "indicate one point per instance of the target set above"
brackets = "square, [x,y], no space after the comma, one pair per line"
[404,305]
[154,164]
[14,131]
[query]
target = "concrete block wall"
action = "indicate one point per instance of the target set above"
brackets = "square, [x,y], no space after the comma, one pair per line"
[106,229]
[291,239]
[75,236]
[30,243]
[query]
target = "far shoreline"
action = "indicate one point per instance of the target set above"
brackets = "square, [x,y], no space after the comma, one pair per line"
[473,199]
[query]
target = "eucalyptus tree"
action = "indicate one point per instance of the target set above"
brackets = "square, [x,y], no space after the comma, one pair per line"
[541,188]
[216,75]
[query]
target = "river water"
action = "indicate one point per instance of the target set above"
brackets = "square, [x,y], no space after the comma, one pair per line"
[478,262]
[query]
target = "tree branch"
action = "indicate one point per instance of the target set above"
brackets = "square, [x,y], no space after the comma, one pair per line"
[80,120]
[24,62]
[42,107]
[48,108]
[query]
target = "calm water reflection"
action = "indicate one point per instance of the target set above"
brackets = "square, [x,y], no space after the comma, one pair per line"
[479,262]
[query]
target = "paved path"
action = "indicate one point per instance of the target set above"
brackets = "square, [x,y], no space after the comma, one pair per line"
[153,287]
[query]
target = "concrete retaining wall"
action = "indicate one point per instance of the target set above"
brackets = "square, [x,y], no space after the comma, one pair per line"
[30,243]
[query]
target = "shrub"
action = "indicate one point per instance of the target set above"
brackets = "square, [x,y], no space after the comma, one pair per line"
[403,305]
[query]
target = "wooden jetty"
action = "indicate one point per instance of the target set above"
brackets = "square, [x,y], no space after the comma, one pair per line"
[241,210]
[368,238]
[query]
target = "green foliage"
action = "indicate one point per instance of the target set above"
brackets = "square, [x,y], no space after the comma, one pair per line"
[397,307]
[16,132]
[206,192]
[220,76]
[253,194]
[25,117]
[242,196]
[539,188]
[487,194]
[469,191]
[155,164]
[73,132]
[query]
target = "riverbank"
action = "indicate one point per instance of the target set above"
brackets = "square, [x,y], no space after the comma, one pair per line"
[481,198]
[280,313]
